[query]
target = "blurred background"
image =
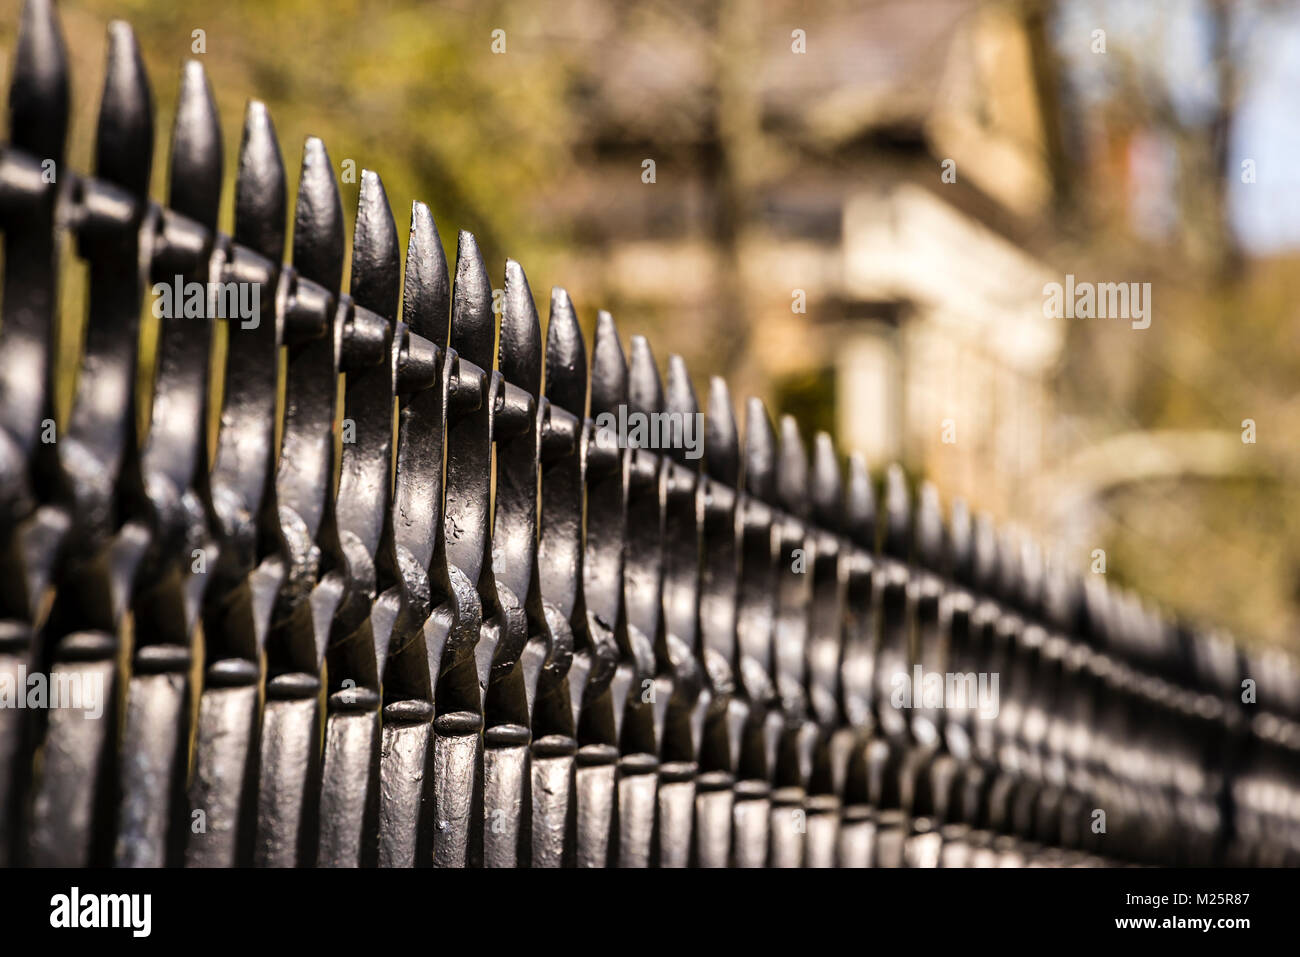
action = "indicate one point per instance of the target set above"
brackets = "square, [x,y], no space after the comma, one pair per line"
[853,212]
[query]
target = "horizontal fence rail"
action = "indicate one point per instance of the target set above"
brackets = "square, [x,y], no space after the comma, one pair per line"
[550,614]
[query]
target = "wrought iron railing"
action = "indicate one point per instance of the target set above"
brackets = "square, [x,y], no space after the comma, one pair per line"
[504,631]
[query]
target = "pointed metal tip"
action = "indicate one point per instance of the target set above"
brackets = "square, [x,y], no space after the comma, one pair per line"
[792,469]
[1031,572]
[860,504]
[256,111]
[898,512]
[473,326]
[608,367]
[679,396]
[318,231]
[376,256]
[606,328]
[679,402]
[645,391]
[1009,571]
[566,356]
[259,188]
[960,542]
[827,491]
[466,244]
[519,352]
[194,179]
[426,288]
[120,32]
[38,96]
[985,553]
[929,527]
[722,442]
[313,150]
[760,452]
[124,139]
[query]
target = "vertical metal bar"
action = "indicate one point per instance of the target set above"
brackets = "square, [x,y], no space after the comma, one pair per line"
[796,558]
[524,642]
[163,494]
[644,689]
[461,639]
[406,823]
[240,594]
[725,710]
[825,652]
[602,669]
[72,807]
[362,627]
[38,116]
[755,630]
[303,518]
[561,686]
[850,746]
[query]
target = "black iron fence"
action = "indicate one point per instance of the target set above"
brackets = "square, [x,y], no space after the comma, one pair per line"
[549,614]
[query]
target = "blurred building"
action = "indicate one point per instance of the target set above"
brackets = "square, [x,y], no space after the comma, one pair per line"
[843,229]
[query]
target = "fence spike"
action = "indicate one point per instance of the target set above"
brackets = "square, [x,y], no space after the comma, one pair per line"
[961,545]
[792,470]
[645,393]
[376,258]
[259,187]
[318,237]
[609,376]
[984,553]
[860,505]
[194,177]
[722,442]
[930,551]
[473,326]
[38,96]
[566,356]
[759,473]
[560,552]
[680,402]
[519,355]
[898,513]
[827,498]
[124,142]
